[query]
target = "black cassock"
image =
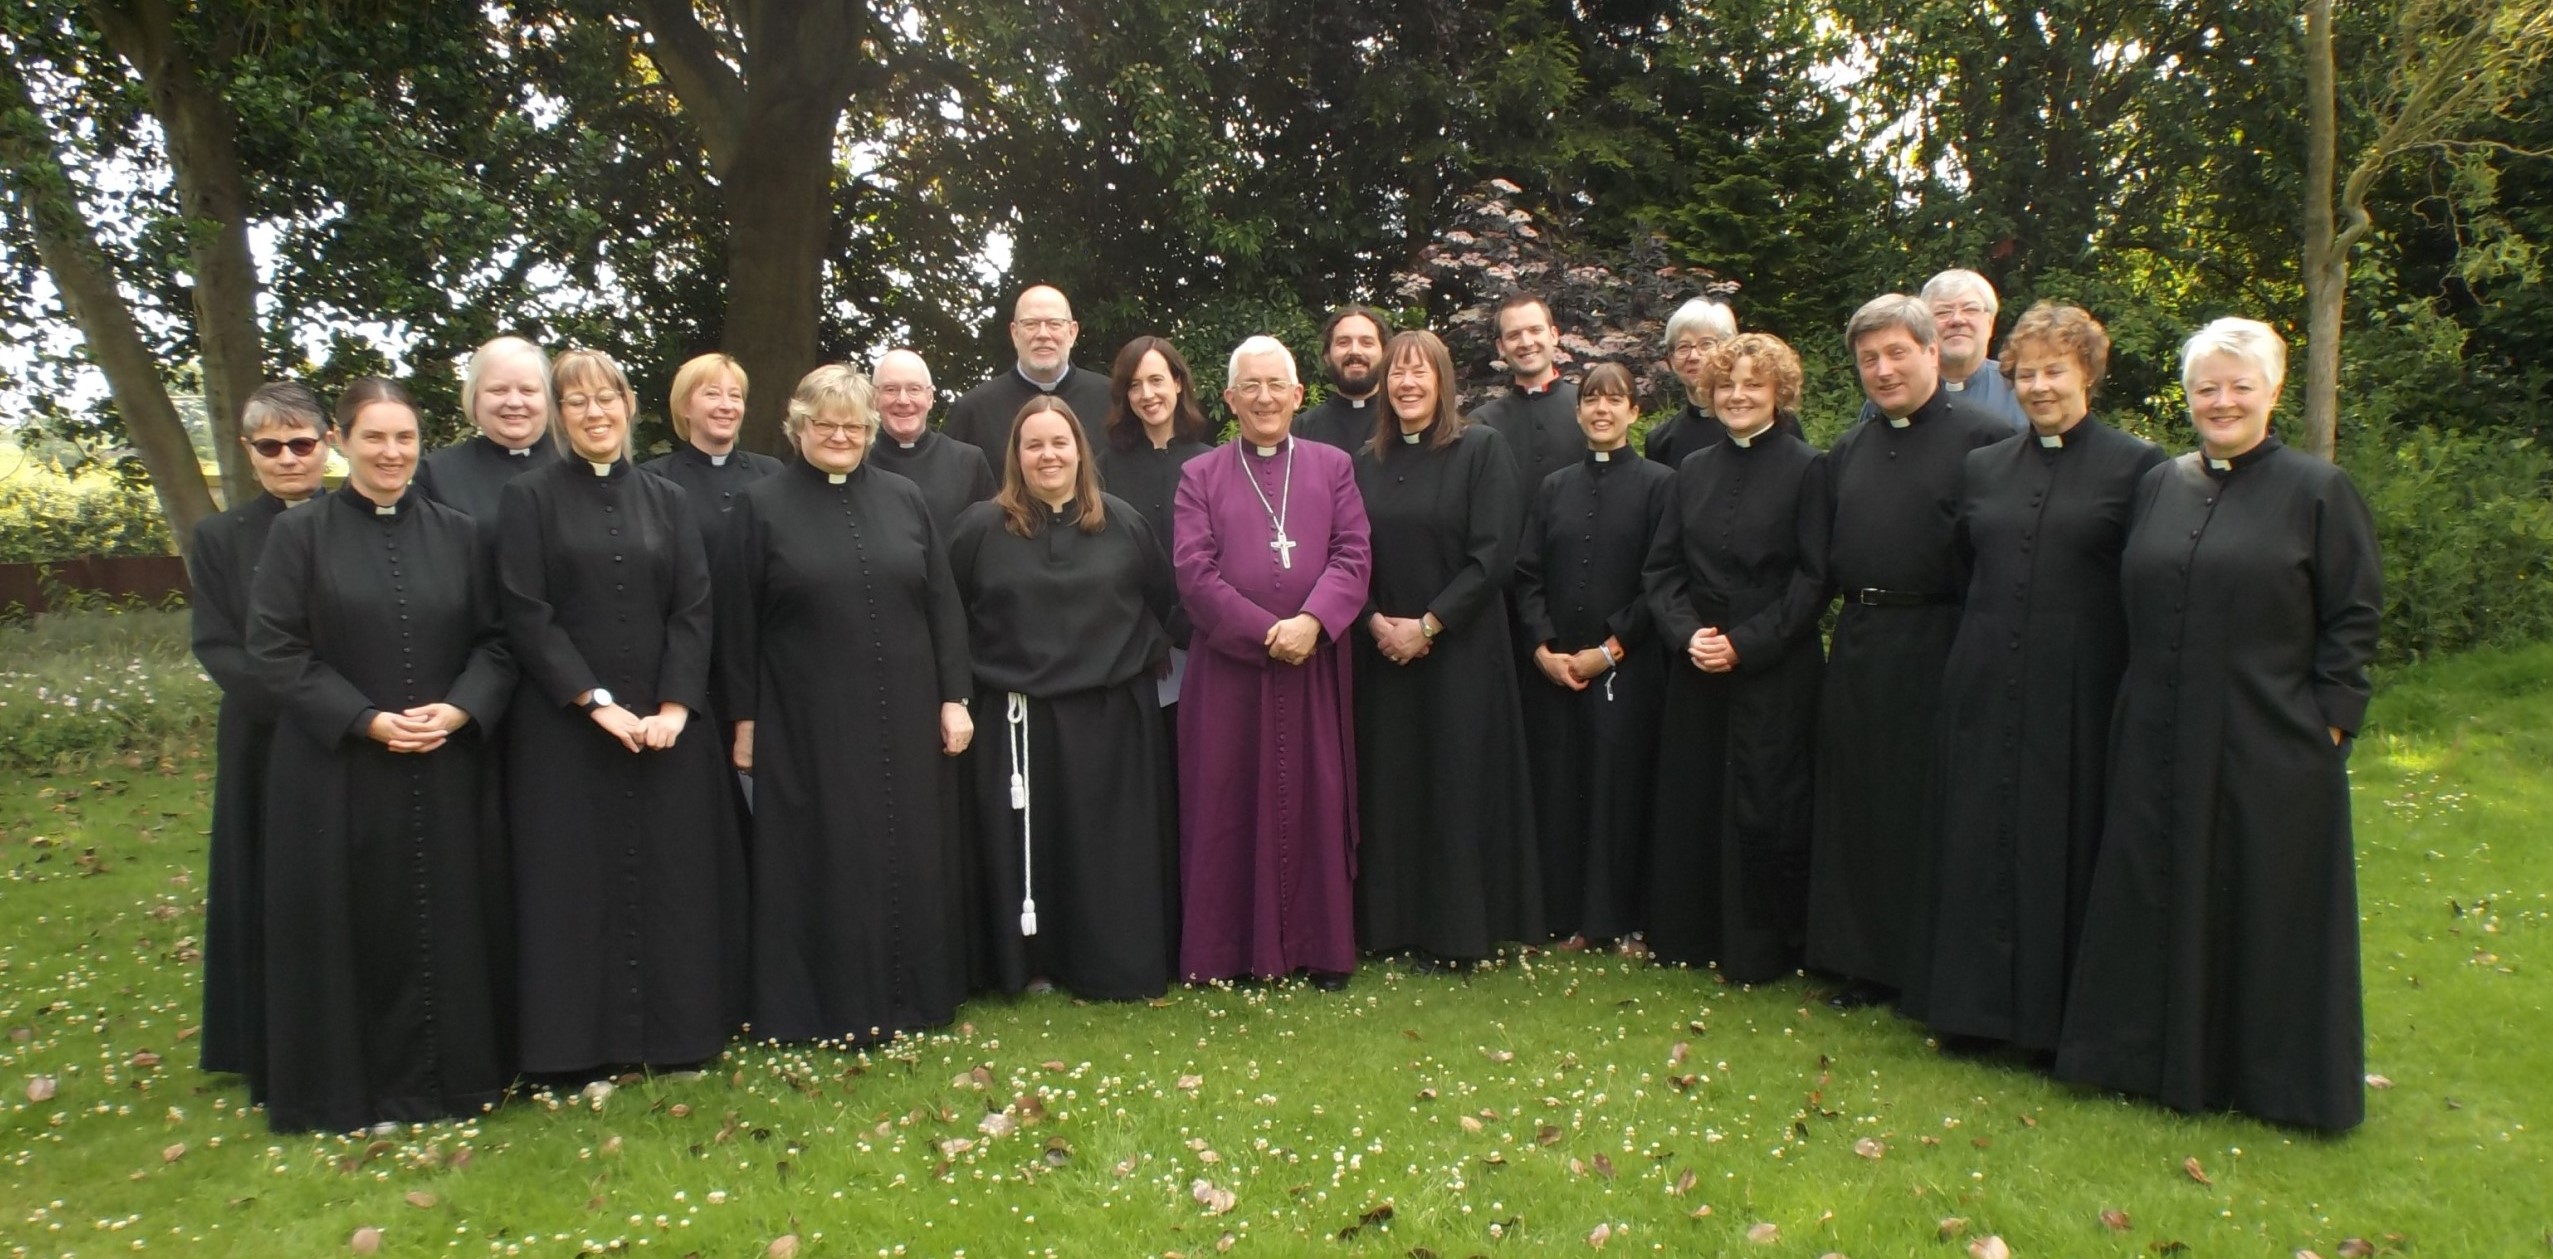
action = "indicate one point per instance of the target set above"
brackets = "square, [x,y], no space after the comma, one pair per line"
[1341,421]
[1538,429]
[982,417]
[1729,874]
[711,485]
[1069,623]
[221,569]
[1447,865]
[389,976]
[1148,478]
[1892,490]
[952,474]
[2219,965]
[1676,438]
[2025,724]
[470,476]
[629,871]
[841,638]
[1577,583]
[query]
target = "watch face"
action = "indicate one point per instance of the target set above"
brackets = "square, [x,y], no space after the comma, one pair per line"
[602,698]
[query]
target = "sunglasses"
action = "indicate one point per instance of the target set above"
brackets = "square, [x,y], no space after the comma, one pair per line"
[269,447]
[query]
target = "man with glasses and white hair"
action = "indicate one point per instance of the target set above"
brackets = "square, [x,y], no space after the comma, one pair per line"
[1271,552]
[1042,332]
[1963,307]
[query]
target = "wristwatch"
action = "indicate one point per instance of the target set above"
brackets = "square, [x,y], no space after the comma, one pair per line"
[597,698]
[1428,631]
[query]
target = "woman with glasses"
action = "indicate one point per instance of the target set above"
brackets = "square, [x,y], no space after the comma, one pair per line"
[843,646]
[629,871]
[1694,331]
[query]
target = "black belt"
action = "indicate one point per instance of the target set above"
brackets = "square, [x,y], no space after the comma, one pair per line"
[1873,597]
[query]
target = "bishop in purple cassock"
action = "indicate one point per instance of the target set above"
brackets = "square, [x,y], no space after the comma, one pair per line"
[1272,560]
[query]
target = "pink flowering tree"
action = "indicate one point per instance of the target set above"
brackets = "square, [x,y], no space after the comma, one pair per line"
[1611,304]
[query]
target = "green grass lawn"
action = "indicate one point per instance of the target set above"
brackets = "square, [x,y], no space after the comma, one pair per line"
[1549,1104]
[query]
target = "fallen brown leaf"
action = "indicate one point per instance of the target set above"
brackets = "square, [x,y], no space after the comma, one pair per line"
[2115,1220]
[785,1246]
[1677,1054]
[366,1241]
[420,1199]
[1989,1247]
[1764,1233]
[1685,1182]
[1871,1148]
[2356,1248]
[173,1153]
[1191,1082]
[2196,1172]
[1601,1234]
[1548,1134]
[1604,1166]
[2378,1082]
[1951,1226]
[42,1088]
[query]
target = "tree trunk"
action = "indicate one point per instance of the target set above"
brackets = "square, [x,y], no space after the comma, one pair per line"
[779,195]
[769,134]
[41,188]
[2326,261]
[212,194]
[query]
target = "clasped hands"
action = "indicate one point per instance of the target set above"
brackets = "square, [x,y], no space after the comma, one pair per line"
[1711,651]
[957,730]
[1576,669]
[1402,639]
[420,729]
[1294,639]
[642,734]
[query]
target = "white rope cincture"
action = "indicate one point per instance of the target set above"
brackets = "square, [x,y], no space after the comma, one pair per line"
[1016,712]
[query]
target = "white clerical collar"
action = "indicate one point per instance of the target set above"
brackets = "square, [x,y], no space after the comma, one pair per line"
[601,467]
[1265,452]
[2052,441]
[1954,386]
[1043,386]
[1411,439]
[1359,403]
[1536,391]
[718,461]
[836,478]
[1900,421]
[514,452]
[1742,442]
[1602,456]
[2221,465]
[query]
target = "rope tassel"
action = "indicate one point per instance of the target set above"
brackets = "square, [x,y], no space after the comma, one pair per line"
[1016,713]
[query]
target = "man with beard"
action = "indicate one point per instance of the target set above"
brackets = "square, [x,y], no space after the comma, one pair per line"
[507,393]
[1352,357]
[1963,309]
[1043,333]
[1537,419]
[1885,499]
[951,473]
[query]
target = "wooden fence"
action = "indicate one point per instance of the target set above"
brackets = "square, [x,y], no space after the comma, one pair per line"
[26,589]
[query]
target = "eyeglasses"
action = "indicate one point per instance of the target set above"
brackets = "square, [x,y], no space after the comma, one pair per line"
[832,428]
[598,398]
[1257,389]
[274,447]
[1041,325]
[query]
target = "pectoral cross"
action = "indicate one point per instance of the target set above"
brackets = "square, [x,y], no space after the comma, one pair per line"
[1284,547]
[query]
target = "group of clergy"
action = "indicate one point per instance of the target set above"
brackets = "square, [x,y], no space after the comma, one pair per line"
[538,765]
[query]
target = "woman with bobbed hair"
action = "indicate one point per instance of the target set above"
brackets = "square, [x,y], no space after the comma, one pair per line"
[506,390]
[1731,583]
[1065,588]
[2219,961]
[707,410]
[1155,427]
[374,624]
[843,649]
[629,872]
[1694,333]
[1447,868]
[2027,692]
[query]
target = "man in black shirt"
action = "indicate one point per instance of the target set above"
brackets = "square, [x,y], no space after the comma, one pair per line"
[1537,419]
[1352,357]
[1043,332]
[952,474]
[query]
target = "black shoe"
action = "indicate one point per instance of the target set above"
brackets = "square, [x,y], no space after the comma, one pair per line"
[1330,980]
[1860,993]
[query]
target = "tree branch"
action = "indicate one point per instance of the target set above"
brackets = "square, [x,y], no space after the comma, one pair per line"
[706,85]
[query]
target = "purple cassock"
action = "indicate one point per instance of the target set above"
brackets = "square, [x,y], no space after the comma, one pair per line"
[1267,751]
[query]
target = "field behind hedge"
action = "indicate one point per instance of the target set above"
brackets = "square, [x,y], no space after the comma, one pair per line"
[1550,1103]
